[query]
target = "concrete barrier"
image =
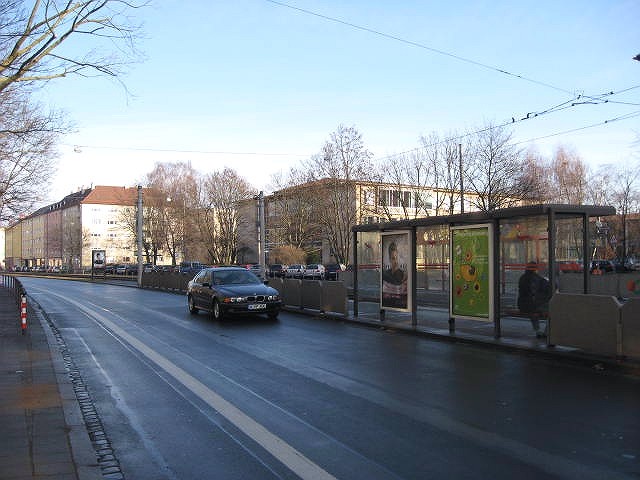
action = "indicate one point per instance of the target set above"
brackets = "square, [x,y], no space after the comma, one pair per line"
[622,285]
[588,322]
[630,328]
[312,294]
[334,298]
[166,280]
[608,284]
[291,292]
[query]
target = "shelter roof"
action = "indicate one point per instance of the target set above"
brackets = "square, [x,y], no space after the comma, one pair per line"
[483,217]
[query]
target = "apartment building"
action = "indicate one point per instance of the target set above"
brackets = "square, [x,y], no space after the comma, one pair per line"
[65,232]
[291,215]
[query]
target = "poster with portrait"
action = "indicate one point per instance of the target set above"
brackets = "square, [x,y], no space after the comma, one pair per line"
[395,281]
[98,260]
[471,276]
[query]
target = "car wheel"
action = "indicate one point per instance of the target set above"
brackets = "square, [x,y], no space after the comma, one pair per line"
[216,310]
[192,307]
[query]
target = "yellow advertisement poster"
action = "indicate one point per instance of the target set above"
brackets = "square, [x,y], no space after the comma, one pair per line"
[471,294]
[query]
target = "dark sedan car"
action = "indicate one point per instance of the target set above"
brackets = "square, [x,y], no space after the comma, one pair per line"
[602,266]
[230,291]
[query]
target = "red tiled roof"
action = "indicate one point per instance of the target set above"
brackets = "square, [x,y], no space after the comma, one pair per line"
[106,195]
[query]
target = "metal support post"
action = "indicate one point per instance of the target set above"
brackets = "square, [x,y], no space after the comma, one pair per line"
[139,233]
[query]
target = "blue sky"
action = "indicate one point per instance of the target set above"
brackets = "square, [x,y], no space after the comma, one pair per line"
[267,84]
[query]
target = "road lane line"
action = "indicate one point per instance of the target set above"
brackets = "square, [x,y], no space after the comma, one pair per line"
[281,450]
[550,463]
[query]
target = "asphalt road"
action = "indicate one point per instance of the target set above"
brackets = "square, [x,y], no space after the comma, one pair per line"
[184,397]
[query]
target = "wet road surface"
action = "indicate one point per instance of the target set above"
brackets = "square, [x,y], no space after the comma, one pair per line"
[184,397]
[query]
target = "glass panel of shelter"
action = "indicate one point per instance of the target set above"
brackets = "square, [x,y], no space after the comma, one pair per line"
[569,254]
[522,240]
[369,263]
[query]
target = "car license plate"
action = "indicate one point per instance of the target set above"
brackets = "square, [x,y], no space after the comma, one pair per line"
[258,306]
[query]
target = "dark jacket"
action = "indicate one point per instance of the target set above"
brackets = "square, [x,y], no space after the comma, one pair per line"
[534,293]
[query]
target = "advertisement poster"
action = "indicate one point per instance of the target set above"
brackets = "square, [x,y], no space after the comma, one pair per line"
[471,294]
[395,282]
[98,260]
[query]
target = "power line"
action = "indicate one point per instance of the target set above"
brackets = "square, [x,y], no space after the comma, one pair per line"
[606,122]
[419,45]
[465,135]
[530,116]
[78,149]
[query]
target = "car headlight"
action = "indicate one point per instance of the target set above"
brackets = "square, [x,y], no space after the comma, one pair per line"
[234,299]
[273,298]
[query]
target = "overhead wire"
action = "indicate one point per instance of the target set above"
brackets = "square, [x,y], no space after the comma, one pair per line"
[581,99]
[420,45]
[168,150]
[529,116]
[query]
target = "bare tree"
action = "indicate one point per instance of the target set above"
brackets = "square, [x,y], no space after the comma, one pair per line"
[154,221]
[39,41]
[495,170]
[292,211]
[33,45]
[623,192]
[27,150]
[175,187]
[406,193]
[218,217]
[569,177]
[537,178]
[445,173]
[343,161]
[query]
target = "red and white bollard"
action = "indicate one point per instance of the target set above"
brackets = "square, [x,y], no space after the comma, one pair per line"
[23,313]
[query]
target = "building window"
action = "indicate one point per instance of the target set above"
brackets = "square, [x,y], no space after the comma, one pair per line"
[369,197]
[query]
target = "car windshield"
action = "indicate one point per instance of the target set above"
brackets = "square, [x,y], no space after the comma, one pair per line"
[234,277]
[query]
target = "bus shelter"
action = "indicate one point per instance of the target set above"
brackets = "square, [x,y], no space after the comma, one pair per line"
[467,266]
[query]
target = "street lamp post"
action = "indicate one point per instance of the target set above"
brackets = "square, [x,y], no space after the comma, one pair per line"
[261,232]
[139,235]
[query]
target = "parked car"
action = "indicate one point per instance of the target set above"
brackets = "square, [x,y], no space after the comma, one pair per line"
[109,269]
[121,269]
[131,269]
[257,270]
[604,266]
[231,291]
[332,270]
[295,271]
[190,267]
[569,266]
[632,263]
[277,270]
[623,265]
[314,271]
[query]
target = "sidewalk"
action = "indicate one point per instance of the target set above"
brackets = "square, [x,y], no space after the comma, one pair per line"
[517,335]
[43,434]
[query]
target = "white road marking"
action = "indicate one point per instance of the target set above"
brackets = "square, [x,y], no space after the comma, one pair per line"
[281,450]
[553,464]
